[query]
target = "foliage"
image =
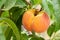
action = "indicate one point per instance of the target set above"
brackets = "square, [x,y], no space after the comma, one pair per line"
[11,12]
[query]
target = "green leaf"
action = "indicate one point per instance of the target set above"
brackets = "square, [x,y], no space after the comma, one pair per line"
[51,9]
[13,36]
[9,4]
[56,36]
[37,38]
[5,14]
[34,2]
[24,37]
[45,6]
[2,36]
[17,16]
[19,22]
[12,26]
[8,33]
[55,10]
[56,7]
[16,13]
[1,3]
[6,30]
[51,29]
[20,4]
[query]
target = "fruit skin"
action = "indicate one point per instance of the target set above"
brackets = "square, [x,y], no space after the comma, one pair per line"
[37,23]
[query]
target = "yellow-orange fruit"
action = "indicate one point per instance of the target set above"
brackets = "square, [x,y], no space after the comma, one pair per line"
[35,21]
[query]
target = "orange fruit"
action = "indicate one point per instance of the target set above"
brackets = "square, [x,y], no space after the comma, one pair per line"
[35,21]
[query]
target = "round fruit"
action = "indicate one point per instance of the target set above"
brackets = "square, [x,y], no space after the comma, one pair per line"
[35,21]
